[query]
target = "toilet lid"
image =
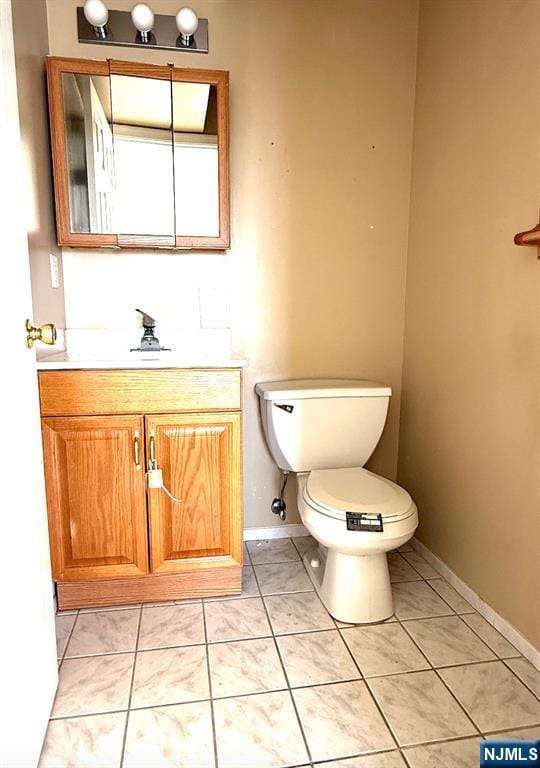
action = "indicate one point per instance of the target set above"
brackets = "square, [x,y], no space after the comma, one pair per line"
[337,491]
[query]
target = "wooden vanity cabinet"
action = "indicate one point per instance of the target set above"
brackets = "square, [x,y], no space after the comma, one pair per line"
[95,497]
[199,456]
[114,542]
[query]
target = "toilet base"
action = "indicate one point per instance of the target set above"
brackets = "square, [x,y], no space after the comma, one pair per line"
[355,589]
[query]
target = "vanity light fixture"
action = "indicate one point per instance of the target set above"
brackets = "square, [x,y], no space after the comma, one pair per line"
[97,14]
[141,27]
[142,17]
[187,22]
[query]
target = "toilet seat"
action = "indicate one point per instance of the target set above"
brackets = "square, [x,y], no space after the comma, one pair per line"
[334,492]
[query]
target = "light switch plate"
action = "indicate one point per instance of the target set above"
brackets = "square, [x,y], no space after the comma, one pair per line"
[53,266]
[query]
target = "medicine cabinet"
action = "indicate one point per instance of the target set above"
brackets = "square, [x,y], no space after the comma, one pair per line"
[140,154]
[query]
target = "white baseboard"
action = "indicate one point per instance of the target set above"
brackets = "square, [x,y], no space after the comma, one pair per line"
[275,532]
[504,627]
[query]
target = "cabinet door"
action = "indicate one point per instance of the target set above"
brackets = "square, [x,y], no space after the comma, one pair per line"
[200,455]
[96,496]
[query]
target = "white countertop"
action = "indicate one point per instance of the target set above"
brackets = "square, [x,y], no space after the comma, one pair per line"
[65,361]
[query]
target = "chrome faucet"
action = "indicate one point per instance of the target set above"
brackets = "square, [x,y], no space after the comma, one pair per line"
[149,341]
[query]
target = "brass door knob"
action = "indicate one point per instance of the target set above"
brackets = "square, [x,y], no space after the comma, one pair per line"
[46,334]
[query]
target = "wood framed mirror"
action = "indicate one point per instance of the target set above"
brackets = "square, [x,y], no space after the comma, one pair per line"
[140,154]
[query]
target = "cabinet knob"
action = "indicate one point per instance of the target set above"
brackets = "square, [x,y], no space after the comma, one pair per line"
[46,334]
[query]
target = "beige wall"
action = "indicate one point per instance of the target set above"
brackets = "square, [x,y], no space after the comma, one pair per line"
[470,425]
[321,121]
[31,47]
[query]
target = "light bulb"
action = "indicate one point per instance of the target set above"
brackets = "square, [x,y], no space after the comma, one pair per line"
[96,14]
[142,17]
[186,23]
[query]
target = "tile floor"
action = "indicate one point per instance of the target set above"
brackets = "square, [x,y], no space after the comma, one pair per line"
[268,678]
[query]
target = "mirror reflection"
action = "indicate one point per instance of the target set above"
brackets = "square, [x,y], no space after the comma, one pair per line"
[196,159]
[87,121]
[143,157]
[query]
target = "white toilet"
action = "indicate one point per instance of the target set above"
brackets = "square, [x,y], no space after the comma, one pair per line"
[325,430]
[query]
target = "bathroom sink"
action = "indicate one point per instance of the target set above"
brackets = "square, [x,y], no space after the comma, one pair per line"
[162,359]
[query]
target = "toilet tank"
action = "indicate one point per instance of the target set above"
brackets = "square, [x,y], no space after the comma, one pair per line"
[322,423]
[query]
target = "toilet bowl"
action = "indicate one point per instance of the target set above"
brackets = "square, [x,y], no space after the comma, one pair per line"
[325,430]
[349,567]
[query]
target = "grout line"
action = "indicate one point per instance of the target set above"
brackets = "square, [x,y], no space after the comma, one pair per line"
[454,612]
[100,655]
[288,561]
[504,627]
[278,651]
[89,714]
[374,753]
[210,693]
[370,692]
[497,657]
[458,663]
[434,669]
[413,566]
[131,688]
[68,641]
[504,661]
[405,759]
[273,635]
[501,658]
[508,730]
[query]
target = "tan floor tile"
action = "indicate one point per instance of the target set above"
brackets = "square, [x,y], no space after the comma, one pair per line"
[104,632]
[170,625]
[316,657]
[170,676]
[490,636]
[492,695]
[282,578]
[330,718]
[64,625]
[170,737]
[260,730]
[236,619]
[451,596]
[93,684]
[272,551]
[188,600]
[422,566]
[84,742]
[400,570]
[454,754]
[245,666]
[526,673]
[447,640]
[416,600]
[304,543]
[301,612]
[383,649]
[419,708]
